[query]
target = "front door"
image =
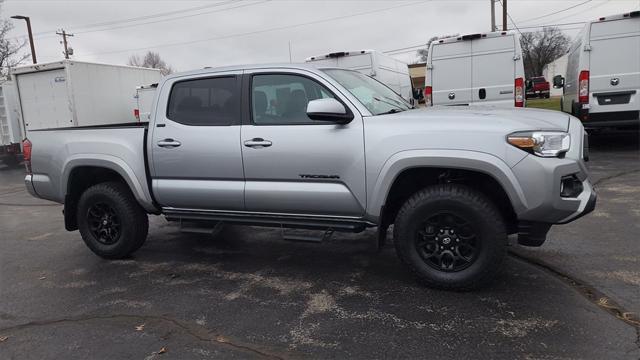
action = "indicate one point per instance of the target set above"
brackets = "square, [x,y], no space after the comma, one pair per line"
[296,165]
[195,151]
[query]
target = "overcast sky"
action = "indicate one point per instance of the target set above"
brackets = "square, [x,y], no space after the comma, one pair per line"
[194,34]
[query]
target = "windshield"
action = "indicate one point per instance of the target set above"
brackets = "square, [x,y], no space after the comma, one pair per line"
[375,96]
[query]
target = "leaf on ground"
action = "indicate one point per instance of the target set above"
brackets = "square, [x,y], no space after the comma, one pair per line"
[140,327]
[3,338]
[162,351]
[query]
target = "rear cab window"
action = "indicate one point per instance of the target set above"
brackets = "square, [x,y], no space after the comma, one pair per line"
[205,102]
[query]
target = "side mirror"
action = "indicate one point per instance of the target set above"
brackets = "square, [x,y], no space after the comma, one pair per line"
[558,81]
[328,110]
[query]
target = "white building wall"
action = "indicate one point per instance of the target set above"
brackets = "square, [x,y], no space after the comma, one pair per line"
[558,67]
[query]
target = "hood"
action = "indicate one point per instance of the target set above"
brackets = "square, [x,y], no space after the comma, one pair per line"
[483,118]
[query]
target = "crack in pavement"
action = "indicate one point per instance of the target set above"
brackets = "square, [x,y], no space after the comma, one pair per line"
[200,333]
[607,178]
[592,294]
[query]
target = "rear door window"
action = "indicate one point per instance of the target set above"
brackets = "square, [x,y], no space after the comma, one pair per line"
[205,102]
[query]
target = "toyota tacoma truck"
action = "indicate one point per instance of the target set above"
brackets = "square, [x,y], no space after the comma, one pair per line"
[296,146]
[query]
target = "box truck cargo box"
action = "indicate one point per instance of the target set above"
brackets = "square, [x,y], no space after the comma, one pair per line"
[10,131]
[73,93]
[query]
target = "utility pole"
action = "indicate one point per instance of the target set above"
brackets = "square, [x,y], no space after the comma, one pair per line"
[504,15]
[493,15]
[64,35]
[33,47]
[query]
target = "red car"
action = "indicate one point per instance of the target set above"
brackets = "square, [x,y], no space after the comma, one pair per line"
[538,87]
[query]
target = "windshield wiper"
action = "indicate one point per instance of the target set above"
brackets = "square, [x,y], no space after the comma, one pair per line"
[395,109]
[392,111]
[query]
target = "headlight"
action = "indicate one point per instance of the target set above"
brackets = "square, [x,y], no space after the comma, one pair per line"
[541,143]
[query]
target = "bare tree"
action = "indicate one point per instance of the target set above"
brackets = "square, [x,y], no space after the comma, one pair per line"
[424,53]
[540,48]
[151,60]
[10,49]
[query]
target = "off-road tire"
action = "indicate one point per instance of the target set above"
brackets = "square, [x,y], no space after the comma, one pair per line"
[472,205]
[134,223]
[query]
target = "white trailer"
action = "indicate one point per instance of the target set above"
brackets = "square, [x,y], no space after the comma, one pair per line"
[144,99]
[602,85]
[10,129]
[476,69]
[72,93]
[389,71]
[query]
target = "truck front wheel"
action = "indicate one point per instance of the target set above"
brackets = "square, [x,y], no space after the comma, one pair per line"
[451,237]
[111,222]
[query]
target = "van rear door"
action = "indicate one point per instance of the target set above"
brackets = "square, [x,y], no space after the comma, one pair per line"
[44,99]
[451,73]
[614,81]
[493,69]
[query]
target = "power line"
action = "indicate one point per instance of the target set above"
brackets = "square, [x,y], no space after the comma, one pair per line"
[256,31]
[173,18]
[584,10]
[415,47]
[145,17]
[556,12]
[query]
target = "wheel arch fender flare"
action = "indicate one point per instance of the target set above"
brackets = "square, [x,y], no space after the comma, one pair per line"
[452,159]
[138,187]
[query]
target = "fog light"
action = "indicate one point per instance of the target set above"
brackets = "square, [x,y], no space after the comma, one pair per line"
[570,186]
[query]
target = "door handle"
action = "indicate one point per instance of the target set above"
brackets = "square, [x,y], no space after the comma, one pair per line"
[169,143]
[257,143]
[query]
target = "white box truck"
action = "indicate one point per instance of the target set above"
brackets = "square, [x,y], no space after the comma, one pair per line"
[72,93]
[10,129]
[602,85]
[389,71]
[476,69]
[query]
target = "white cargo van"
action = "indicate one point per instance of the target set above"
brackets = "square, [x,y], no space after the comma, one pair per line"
[10,131]
[476,69]
[602,85]
[389,71]
[144,99]
[74,93]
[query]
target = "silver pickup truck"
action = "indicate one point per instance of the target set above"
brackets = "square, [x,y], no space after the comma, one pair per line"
[295,146]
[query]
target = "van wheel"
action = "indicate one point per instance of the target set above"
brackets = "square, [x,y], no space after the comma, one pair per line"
[451,237]
[111,222]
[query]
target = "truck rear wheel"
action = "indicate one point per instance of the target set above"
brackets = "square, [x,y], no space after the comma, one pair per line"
[451,237]
[111,222]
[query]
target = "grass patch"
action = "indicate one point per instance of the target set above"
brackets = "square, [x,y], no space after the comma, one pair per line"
[552,103]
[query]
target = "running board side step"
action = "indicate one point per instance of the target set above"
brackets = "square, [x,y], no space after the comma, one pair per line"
[267,219]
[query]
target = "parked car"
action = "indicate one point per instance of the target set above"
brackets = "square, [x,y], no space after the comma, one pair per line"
[538,86]
[389,71]
[476,69]
[10,131]
[74,93]
[602,86]
[330,149]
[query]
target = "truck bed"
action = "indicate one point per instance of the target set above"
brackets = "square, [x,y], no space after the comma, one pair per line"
[118,147]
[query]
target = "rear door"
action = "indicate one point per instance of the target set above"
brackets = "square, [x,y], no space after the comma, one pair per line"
[493,69]
[451,73]
[614,81]
[44,99]
[195,143]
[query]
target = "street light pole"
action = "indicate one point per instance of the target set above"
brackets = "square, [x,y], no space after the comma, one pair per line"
[33,48]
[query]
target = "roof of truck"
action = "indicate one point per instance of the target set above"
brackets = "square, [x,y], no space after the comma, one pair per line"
[63,63]
[298,66]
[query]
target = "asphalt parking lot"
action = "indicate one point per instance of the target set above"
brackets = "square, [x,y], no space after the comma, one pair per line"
[248,294]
